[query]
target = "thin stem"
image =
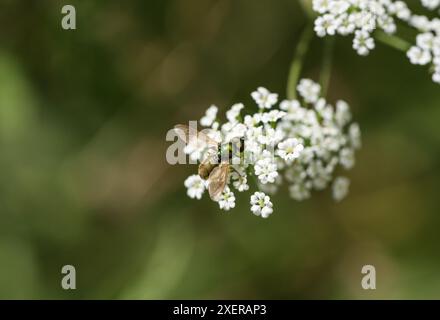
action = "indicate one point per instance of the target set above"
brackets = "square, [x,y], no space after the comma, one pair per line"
[327,62]
[393,41]
[298,61]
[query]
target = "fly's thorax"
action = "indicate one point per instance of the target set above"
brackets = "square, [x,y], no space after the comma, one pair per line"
[205,169]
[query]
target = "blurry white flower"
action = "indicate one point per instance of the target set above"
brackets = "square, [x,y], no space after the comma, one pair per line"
[338,7]
[261,205]
[266,170]
[236,131]
[227,200]
[290,149]
[342,115]
[209,117]
[321,6]
[299,191]
[264,98]
[252,121]
[196,148]
[400,10]
[326,25]
[195,186]
[347,158]
[347,24]
[364,17]
[270,136]
[431,4]
[387,24]
[355,136]
[340,188]
[419,56]
[425,40]
[363,43]
[234,112]
[239,181]
[436,76]
[309,90]
[272,116]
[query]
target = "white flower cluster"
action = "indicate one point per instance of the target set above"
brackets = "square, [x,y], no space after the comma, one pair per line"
[358,17]
[302,142]
[362,17]
[431,4]
[426,51]
[328,138]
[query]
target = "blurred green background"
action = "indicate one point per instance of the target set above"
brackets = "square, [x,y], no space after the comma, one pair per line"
[84,180]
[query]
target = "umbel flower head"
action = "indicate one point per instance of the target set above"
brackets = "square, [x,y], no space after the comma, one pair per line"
[362,18]
[300,142]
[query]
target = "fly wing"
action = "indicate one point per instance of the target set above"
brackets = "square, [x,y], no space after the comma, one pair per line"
[217,181]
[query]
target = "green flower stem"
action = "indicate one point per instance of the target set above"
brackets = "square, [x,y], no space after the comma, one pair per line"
[298,61]
[393,41]
[327,61]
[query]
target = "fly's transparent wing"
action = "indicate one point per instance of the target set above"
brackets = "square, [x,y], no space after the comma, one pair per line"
[217,181]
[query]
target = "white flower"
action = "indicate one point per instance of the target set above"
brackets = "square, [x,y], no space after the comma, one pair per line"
[272,116]
[354,134]
[270,136]
[340,188]
[425,40]
[326,25]
[210,115]
[364,17]
[269,188]
[234,112]
[342,115]
[252,121]
[346,158]
[295,173]
[420,22]
[387,24]
[309,90]
[196,148]
[266,170]
[419,56]
[431,4]
[236,131]
[299,192]
[264,99]
[195,186]
[290,149]
[363,43]
[436,76]
[261,205]
[321,6]
[227,200]
[347,25]
[400,9]
[365,21]
[239,181]
[215,135]
[338,7]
